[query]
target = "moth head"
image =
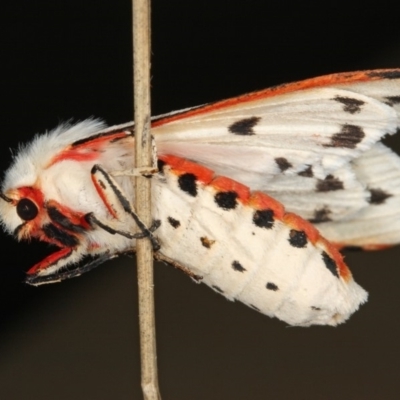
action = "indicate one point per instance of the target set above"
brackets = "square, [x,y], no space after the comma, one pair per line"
[35,176]
[48,192]
[28,213]
[22,211]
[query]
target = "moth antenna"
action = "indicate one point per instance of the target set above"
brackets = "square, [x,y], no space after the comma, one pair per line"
[5,198]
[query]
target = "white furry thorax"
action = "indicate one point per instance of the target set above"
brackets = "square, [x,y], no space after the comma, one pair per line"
[34,157]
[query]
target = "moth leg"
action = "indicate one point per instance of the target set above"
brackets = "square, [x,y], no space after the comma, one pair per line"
[109,227]
[118,205]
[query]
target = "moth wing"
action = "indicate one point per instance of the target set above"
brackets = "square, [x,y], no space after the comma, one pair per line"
[283,135]
[299,142]
[303,143]
[339,195]
[378,223]
[384,86]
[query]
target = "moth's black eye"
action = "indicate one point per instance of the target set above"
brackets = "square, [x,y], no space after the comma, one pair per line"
[27,209]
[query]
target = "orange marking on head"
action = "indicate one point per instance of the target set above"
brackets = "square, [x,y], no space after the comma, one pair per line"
[75,155]
[32,227]
[31,193]
[182,166]
[224,184]
[333,79]
[261,201]
[86,151]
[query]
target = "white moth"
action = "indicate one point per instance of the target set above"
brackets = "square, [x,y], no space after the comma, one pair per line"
[312,145]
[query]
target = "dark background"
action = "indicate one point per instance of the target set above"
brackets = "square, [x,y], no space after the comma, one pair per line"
[78,339]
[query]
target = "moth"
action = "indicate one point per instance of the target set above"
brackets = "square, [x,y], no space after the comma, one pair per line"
[254,196]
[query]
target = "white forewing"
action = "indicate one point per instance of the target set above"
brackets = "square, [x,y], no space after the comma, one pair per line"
[300,127]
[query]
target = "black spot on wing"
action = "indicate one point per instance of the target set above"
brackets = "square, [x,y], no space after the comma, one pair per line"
[348,137]
[226,200]
[297,238]
[391,74]
[237,266]
[217,288]
[315,308]
[187,183]
[174,222]
[350,105]
[271,286]
[307,173]
[378,196]
[244,126]
[206,242]
[264,218]
[330,264]
[392,100]
[321,215]
[283,163]
[330,183]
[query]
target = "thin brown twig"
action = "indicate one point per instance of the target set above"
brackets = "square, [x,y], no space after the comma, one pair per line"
[143,157]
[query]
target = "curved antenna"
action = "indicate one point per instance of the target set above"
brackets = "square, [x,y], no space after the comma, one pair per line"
[5,198]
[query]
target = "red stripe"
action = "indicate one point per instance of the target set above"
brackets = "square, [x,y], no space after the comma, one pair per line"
[326,80]
[224,184]
[261,201]
[296,222]
[50,260]
[103,197]
[181,166]
[88,151]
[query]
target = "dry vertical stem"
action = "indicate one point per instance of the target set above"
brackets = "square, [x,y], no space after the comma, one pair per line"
[144,254]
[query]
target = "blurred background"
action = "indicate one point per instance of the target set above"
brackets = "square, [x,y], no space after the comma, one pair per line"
[79,339]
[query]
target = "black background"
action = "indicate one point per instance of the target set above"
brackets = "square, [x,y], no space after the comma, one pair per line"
[79,340]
